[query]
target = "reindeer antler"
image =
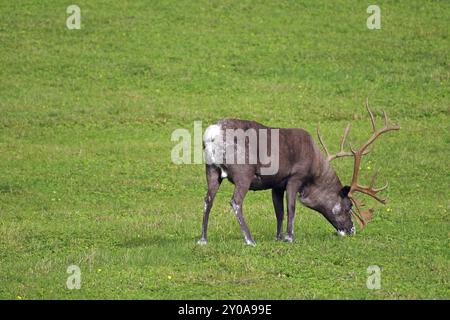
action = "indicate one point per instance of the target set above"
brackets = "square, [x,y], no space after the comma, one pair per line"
[341,153]
[361,216]
[365,216]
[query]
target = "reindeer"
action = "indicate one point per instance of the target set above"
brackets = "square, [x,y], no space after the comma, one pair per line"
[301,169]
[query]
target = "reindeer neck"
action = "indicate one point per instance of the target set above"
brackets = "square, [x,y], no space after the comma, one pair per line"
[324,176]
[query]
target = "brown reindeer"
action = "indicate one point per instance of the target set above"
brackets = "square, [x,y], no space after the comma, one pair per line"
[297,167]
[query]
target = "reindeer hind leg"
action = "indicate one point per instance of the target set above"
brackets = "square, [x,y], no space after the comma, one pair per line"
[214,179]
[240,191]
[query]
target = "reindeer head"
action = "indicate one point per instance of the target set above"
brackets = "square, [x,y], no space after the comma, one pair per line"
[348,205]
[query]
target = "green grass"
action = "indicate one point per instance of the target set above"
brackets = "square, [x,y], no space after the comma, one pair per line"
[85,124]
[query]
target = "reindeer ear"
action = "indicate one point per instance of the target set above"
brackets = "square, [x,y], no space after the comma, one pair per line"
[344,191]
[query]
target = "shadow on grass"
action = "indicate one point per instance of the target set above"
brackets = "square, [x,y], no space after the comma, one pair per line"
[11,189]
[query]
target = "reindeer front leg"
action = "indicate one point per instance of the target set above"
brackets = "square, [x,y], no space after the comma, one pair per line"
[240,191]
[291,193]
[277,198]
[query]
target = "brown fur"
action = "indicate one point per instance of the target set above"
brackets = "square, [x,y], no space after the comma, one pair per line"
[303,170]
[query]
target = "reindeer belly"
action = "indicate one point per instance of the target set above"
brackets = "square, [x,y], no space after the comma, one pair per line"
[267,182]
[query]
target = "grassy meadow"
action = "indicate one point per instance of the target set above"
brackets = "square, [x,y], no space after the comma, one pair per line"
[86,117]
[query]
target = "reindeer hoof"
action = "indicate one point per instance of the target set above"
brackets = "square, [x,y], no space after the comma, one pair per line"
[250,243]
[202,242]
[289,239]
